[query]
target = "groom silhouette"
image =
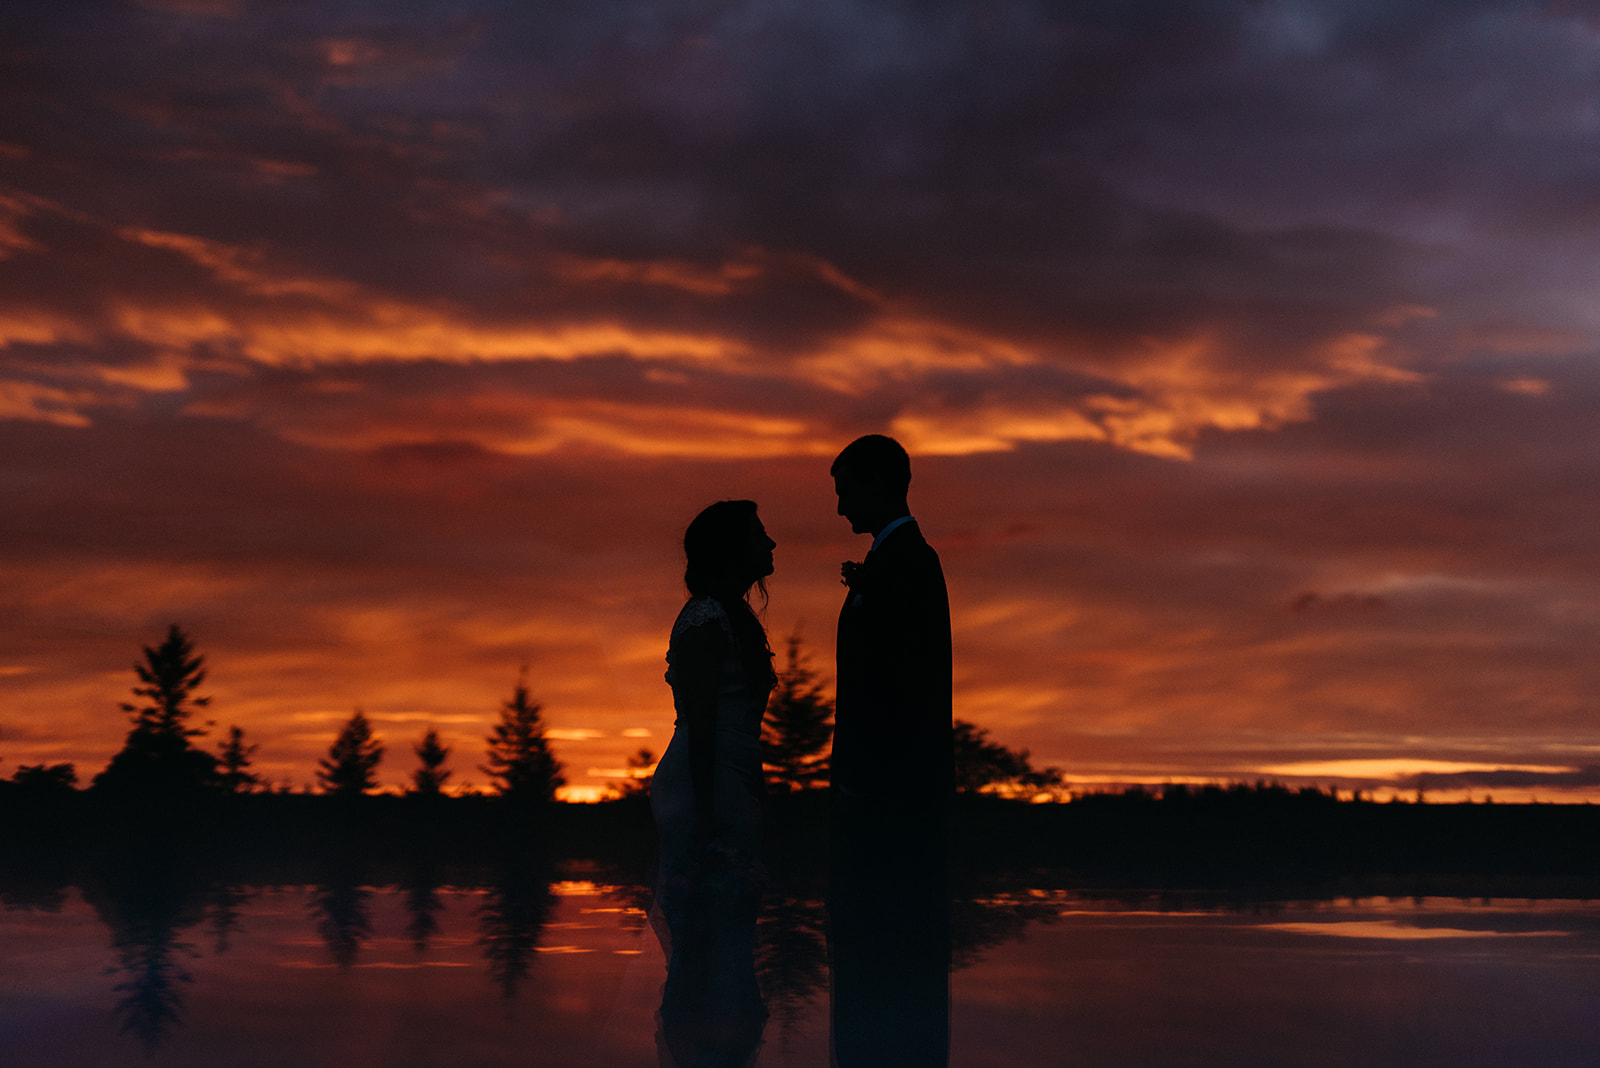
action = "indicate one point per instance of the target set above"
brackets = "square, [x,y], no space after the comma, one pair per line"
[892,742]
[892,774]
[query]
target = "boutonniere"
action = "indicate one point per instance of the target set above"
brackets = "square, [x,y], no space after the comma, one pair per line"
[850,573]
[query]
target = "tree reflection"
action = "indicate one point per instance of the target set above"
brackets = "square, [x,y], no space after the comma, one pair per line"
[512,916]
[147,916]
[342,910]
[423,904]
[792,956]
[226,899]
[979,924]
[152,1002]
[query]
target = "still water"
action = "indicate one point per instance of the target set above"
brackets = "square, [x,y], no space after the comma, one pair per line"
[570,971]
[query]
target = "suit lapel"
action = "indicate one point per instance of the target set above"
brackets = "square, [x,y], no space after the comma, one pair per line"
[867,578]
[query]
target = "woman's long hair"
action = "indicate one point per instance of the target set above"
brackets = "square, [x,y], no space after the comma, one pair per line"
[713,546]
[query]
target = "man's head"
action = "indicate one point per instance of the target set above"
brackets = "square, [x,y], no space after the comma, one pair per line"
[871,477]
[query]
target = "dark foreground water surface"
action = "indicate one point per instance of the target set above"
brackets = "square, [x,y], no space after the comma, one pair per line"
[570,971]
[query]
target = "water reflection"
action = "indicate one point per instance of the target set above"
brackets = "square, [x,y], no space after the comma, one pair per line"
[712,1012]
[227,912]
[423,905]
[889,947]
[704,914]
[342,911]
[515,908]
[35,891]
[792,959]
[194,967]
[147,915]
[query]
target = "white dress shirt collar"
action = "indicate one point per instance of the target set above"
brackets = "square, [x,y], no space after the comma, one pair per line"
[890,529]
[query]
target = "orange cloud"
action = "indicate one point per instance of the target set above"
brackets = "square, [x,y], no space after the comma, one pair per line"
[1191,385]
[1159,394]
[41,404]
[896,348]
[1526,385]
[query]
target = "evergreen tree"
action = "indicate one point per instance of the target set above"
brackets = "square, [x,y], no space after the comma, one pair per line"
[798,724]
[520,763]
[980,762]
[640,772]
[170,673]
[349,769]
[157,759]
[429,778]
[237,778]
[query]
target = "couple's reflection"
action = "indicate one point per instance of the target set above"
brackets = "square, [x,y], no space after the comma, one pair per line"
[712,1013]
[889,939]
[889,952]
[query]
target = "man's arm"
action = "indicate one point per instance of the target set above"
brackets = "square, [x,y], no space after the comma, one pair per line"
[912,679]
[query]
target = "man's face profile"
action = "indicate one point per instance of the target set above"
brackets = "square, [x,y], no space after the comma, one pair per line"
[857,501]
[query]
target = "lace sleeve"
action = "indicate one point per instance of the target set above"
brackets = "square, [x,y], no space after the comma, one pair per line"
[698,613]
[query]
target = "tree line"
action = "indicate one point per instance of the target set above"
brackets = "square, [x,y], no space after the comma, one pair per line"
[159,757]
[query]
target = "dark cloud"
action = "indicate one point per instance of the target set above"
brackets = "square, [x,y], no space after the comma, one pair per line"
[1534,780]
[940,155]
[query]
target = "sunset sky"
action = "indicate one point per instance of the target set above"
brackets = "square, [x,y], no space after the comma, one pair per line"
[1246,353]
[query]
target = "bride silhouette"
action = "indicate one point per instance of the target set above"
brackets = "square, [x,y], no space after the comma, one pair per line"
[707,795]
[707,791]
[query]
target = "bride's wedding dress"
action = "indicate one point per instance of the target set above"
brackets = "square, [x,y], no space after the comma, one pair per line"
[736,774]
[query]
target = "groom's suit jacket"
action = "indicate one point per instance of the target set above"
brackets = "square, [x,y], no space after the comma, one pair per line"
[891,739]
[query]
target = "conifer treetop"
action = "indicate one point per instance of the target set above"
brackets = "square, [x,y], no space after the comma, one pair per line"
[169,674]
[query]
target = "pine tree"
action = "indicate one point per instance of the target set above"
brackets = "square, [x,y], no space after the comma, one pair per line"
[520,763]
[170,673]
[980,762]
[641,769]
[429,778]
[349,769]
[798,724]
[157,759]
[236,776]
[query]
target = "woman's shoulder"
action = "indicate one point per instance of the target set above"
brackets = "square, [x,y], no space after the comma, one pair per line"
[700,612]
[702,623]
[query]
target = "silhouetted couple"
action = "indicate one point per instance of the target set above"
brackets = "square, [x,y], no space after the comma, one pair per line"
[891,769]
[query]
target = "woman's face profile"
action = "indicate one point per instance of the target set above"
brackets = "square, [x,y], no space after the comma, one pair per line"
[758,550]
